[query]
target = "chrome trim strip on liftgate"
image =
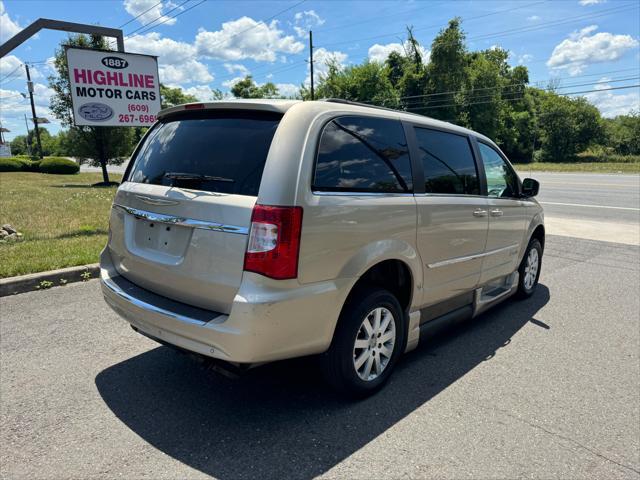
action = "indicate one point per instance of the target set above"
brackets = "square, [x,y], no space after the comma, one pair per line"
[451,261]
[182,221]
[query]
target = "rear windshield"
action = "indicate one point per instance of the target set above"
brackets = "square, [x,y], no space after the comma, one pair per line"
[220,151]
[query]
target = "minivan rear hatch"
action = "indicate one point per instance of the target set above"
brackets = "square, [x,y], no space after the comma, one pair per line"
[180,220]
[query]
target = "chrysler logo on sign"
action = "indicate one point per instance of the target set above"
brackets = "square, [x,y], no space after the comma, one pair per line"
[95,112]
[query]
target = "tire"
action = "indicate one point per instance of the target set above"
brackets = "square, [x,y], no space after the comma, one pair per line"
[528,280]
[346,362]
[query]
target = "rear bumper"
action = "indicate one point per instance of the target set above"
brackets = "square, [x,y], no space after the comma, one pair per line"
[264,324]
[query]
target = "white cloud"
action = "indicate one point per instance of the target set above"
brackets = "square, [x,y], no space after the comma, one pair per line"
[533,18]
[190,71]
[379,53]
[42,95]
[201,92]
[232,82]
[321,59]
[15,106]
[149,11]
[612,104]
[8,27]
[305,21]
[583,32]
[236,67]
[581,49]
[177,60]
[525,58]
[11,65]
[169,51]
[591,2]
[288,89]
[246,38]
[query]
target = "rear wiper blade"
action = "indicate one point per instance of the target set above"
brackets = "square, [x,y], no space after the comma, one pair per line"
[195,176]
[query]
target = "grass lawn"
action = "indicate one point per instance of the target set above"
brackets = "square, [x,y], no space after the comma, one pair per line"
[595,167]
[63,219]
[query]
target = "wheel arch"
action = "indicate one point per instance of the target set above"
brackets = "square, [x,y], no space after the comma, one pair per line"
[393,275]
[539,234]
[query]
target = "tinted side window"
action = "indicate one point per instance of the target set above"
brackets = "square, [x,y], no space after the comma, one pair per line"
[501,180]
[448,163]
[363,154]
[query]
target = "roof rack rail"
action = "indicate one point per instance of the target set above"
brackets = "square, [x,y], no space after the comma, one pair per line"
[360,104]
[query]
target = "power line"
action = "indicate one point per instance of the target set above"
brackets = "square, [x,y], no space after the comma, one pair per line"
[468,19]
[504,32]
[505,95]
[376,18]
[164,15]
[504,87]
[175,16]
[520,98]
[138,16]
[11,73]
[12,96]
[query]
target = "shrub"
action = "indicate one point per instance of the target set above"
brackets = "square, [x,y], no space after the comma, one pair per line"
[32,166]
[606,155]
[58,165]
[8,164]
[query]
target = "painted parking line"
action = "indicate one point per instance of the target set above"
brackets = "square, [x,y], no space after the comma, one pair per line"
[633,209]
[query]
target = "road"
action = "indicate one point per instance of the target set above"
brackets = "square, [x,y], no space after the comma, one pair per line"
[602,207]
[589,196]
[593,206]
[546,388]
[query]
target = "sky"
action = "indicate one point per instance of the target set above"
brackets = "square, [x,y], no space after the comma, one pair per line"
[589,46]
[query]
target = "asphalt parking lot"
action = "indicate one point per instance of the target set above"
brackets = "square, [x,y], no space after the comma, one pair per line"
[546,388]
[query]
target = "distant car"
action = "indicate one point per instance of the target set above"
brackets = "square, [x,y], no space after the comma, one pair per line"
[254,231]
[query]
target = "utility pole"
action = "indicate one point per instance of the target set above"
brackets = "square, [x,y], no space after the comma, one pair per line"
[311,62]
[28,132]
[33,110]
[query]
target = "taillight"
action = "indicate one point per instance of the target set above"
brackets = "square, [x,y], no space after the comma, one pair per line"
[274,241]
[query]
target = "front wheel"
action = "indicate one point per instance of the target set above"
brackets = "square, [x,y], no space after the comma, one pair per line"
[367,343]
[529,270]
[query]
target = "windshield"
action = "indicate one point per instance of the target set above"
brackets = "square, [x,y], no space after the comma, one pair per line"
[215,151]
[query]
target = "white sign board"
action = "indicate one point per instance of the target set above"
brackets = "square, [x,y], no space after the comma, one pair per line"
[5,150]
[113,89]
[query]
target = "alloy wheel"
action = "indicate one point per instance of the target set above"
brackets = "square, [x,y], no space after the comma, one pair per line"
[374,344]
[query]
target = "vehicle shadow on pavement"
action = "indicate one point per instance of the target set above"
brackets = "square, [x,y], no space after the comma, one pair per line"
[281,420]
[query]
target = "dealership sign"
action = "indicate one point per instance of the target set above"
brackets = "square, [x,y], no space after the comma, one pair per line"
[113,89]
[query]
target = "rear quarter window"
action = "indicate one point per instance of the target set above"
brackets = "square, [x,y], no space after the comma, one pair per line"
[216,151]
[363,154]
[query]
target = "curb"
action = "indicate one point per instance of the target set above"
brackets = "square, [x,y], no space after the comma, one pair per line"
[27,283]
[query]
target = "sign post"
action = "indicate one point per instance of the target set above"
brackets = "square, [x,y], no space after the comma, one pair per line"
[113,89]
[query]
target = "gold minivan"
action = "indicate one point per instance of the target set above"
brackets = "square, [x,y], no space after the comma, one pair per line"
[260,230]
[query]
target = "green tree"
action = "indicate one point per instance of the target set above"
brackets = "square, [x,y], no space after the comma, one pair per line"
[567,126]
[368,82]
[622,134]
[170,97]
[19,145]
[101,145]
[446,72]
[247,88]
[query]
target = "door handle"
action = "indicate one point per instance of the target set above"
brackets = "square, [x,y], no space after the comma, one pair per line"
[479,213]
[496,212]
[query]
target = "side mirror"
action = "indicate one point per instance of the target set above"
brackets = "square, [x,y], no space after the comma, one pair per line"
[530,187]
